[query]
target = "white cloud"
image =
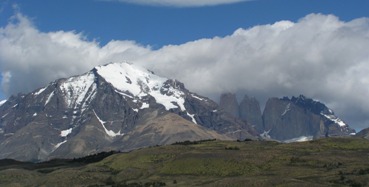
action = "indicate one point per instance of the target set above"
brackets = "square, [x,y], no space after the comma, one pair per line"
[35,58]
[181,3]
[319,56]
[5,80]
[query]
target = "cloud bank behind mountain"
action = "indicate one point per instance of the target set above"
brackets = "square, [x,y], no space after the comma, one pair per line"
[319,56]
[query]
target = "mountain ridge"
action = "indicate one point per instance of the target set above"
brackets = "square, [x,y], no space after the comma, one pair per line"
[120,106]
[287,119]
[102,109]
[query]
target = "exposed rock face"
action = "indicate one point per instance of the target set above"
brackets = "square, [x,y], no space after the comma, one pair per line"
[286,118]
[124,107]
[112,107]
[250,111]
[228,102]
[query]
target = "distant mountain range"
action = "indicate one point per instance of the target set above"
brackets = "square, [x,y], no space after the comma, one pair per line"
[123,107]
[287,119]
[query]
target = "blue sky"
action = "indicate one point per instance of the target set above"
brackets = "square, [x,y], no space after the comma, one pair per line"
[157,26]
[264,48]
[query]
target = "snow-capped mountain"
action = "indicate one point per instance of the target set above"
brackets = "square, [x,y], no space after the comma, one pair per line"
[287,119]
[319,108]
[301,117]
[117,106]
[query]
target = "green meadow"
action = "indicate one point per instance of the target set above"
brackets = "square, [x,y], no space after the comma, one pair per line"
[324,162]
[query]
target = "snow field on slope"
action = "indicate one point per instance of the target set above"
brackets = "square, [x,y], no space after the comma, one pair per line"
[65,133]
[76,89]
[140,82]
[39,91]
[108,132]
[2,102]
[335,119]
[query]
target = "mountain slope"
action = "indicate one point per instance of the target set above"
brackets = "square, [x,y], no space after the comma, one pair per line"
[295,117]
[364,133]
[286,119]
[228,102]
[103,109]
[250,111]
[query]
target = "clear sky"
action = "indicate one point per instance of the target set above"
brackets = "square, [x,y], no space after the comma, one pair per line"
[263,48]
[157,26]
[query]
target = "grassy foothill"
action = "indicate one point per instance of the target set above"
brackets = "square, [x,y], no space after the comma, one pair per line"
[324,162]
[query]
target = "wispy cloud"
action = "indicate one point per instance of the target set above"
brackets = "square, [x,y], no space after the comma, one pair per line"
[3,4]
[180,3]
[319,55]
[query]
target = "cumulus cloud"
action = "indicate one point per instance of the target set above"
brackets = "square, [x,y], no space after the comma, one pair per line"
[319,56]
[181,3]
[30,58]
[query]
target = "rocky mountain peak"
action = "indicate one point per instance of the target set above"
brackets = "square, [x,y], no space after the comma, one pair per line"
[228,102]
[317,108]
[250,111]
[139,83]
[117,106]
[287,118]
[309,104]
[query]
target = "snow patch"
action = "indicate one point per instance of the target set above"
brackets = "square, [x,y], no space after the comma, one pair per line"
[59,144]
[2,102]
[265,135]
[194,96]
[89,97]
[124,94]
[35,114]
[192,116]
[4,115]
[39,91]
[287,109]
[77,89]
[49,98]
[65,133]
[168,102]
[108,132]
[335,119]
[299,139]
[236,131]
[145,105]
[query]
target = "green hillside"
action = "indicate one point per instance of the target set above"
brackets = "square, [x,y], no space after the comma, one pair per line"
[324,162]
